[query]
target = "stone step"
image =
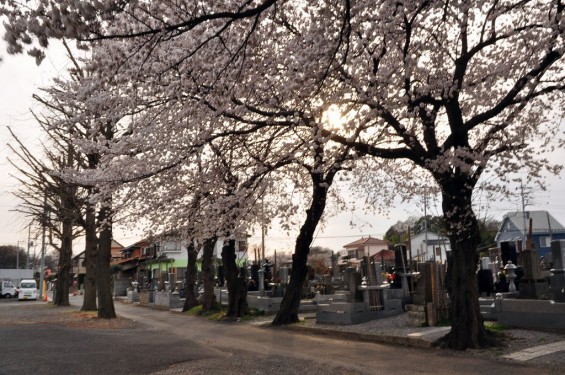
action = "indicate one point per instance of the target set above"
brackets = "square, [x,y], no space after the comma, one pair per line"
[415,308]
[491,316]
[486,301]
[488,311]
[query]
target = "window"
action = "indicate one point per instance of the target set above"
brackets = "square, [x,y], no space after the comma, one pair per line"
[545,241]
[172,247]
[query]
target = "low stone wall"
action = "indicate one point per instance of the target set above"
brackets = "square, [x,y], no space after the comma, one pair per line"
[146,297]
[166,301]
[529,313]
[133,296]
[327,298]
[344,313]
[267,304]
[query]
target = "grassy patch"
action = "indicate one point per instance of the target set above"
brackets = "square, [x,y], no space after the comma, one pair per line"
[495,327]
[252,314]
[219,313]
[215,314]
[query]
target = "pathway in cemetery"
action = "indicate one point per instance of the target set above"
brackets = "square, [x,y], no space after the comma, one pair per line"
[162,342]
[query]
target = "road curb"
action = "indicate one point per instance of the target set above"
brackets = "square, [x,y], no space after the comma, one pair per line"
[357,336]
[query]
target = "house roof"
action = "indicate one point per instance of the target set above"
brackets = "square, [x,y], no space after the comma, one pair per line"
[131,260]
[140,243]
[542,222]
[365,241]
[384,255]
[116,244]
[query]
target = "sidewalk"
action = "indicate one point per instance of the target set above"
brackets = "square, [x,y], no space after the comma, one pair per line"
[538,348]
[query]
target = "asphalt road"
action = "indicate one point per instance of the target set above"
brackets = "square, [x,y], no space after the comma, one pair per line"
[168,343]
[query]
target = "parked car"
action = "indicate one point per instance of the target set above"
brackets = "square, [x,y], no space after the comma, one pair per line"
[28,290]
[8,290]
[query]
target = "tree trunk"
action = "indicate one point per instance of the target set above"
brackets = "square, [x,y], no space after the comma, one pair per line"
[190,278]
[467,329]
[208,297]
[237,288]
[90,254]
[104,277]
[288,312]
[65,258]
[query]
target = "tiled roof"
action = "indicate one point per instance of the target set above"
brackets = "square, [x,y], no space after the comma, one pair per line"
[366,241]
[128,260]
[384,255]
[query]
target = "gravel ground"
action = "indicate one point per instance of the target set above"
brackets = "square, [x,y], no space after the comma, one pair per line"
[513,339]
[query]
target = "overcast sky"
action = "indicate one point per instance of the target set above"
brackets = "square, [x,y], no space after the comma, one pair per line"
[20,78]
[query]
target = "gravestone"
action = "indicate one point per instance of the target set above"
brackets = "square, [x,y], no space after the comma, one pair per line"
[400,258]
[284,274]
[335,266]
[532,284]
[379,273]
[254,271]
[484,277]
[508,252]
[557,279]
[353,281]
[171,282]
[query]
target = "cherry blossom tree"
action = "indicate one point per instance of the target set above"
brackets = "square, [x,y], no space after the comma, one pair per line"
[459,88]
[450,87]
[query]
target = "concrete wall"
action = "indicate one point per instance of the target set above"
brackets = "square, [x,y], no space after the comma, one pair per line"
[529,313]
[15,275]
[166,301]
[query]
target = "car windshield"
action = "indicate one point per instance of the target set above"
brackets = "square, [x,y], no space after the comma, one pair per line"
[27,285]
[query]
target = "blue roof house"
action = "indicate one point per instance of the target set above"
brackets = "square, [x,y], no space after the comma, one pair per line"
[545,228]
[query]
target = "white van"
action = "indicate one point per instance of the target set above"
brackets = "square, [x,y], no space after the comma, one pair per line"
[28,290]
[7,289]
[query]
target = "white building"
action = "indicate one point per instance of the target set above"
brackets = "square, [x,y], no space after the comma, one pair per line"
[429,246]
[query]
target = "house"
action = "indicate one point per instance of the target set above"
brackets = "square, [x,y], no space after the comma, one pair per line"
[428,246]
[77,262]
[116,249]
[365,247]
[150,260]
[545,228]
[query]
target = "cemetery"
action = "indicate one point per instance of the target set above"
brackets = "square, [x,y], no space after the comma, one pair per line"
[517,287]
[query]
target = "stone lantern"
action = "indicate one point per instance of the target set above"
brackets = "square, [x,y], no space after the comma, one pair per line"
[511,276]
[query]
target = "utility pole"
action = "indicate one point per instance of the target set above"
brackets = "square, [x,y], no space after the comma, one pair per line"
[42,265]
[18,256]
[29,243]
